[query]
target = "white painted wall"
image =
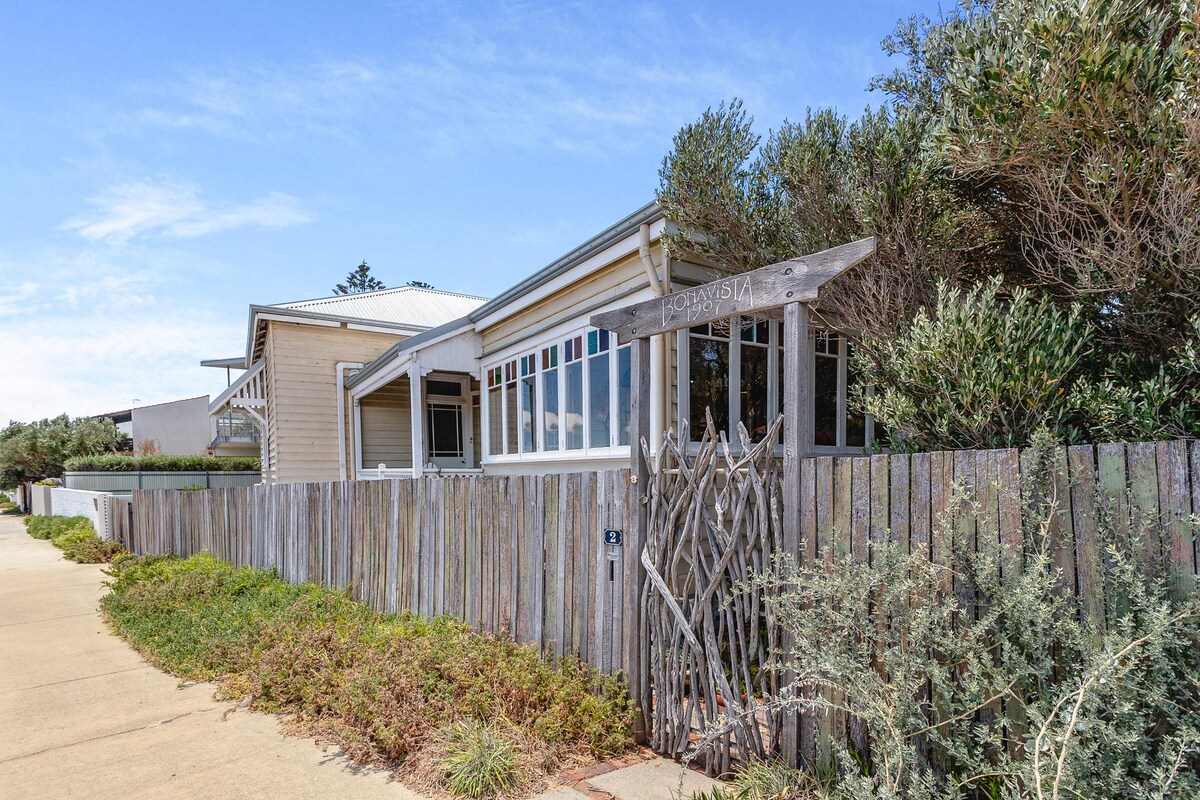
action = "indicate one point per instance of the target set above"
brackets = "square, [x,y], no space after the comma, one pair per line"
[78,503]
[181,428]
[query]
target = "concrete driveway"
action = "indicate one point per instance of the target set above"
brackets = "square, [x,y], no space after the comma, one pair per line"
[82,716]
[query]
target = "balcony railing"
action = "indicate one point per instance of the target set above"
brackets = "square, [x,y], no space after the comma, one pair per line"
[236,429]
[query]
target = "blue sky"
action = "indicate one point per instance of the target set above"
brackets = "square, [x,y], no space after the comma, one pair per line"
[165,164]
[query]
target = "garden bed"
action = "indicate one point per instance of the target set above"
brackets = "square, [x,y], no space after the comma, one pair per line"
[75,536]
[450,710]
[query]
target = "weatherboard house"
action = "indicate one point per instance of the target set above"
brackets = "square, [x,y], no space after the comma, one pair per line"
[405,382]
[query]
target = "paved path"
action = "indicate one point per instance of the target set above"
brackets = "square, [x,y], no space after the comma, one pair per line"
[82,716]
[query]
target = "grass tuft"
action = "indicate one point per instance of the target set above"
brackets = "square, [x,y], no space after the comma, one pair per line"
[479,761]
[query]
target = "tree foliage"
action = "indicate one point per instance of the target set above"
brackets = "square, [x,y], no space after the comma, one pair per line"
[975,371]
[36,450]
[359,280]
[1052,143]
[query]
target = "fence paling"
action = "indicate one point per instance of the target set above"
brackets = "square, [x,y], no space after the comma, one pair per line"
[517,553]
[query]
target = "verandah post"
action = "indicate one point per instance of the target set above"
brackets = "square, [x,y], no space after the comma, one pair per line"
[636,641]
[797,440]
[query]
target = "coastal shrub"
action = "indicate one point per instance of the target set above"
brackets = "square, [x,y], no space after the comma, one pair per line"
[47,527]
[382,686]
[966,678]
[75,536]
[160,463]
[977,371]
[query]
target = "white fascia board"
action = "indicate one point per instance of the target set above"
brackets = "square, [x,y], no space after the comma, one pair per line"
[573,325]
[614,252]
[354,326]
[383,377]
[465,329]
[324,323]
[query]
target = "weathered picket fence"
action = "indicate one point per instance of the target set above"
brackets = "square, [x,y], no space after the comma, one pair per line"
[519,553]
[714,520]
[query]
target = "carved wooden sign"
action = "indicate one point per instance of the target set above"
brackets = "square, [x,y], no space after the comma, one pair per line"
[797,280]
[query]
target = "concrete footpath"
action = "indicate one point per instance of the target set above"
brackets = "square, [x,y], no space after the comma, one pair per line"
[82,716]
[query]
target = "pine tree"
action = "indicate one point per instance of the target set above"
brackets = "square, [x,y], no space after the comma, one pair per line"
[359,280]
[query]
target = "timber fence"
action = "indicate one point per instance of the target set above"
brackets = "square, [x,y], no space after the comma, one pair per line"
[938,504]
[528,553]
[519,553]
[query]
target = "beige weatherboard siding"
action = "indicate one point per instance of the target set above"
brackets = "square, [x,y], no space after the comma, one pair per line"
[299,353]
[303,386]
[386,425]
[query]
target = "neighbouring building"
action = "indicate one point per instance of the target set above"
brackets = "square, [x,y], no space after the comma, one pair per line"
[298,356]
[180,427]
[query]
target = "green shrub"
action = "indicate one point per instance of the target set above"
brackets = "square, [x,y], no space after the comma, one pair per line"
[85,547]
[47,527]
[75,536]
[978,371]
[1124,404]
[380,685]
[157,463]
[973,680]
[479,761]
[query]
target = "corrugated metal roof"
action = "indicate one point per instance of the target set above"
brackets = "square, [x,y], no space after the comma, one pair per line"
[407,305]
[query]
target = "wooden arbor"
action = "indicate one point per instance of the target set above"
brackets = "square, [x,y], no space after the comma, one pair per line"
[790,285]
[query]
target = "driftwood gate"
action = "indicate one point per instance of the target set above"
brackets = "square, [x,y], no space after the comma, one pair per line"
[692,540]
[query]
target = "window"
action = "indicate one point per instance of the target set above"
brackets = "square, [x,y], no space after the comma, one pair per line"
[756,355]
[529,403]
[624,394]
[738,375]
[708,376]
[495,406]
[599,399]
[550,397]
[510,407]
[827,358]
[444,421]
[573,394]
[573,407]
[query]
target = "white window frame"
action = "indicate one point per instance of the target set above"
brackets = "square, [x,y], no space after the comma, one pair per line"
[534,348]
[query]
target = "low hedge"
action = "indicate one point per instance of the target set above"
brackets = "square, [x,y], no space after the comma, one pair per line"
[116,463]
[75,536]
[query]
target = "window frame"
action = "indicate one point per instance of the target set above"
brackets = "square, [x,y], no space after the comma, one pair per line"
[534,349]
[774,403]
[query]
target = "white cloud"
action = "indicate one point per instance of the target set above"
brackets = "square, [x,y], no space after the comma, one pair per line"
[17,297]
[177,210]
[526,74]
[88,364]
